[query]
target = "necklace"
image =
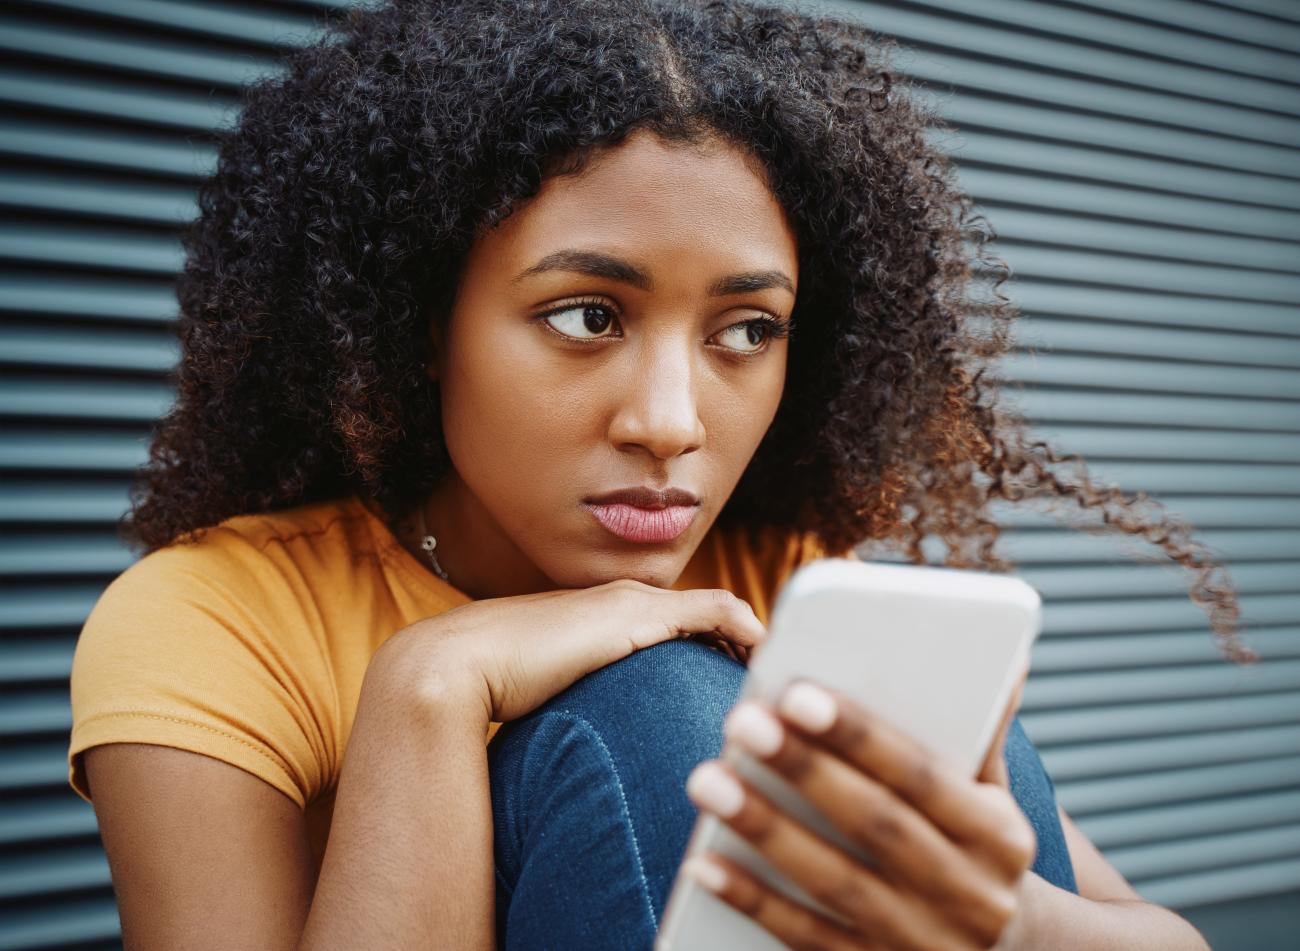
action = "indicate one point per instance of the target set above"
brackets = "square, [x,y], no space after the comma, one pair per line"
[429,543]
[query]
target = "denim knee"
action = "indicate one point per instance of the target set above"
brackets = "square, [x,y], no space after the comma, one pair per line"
[639,726]
[595,778]
[658,711]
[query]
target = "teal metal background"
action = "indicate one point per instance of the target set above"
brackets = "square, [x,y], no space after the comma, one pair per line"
[1140,160]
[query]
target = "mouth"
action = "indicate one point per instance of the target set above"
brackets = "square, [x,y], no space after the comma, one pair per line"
[636,524]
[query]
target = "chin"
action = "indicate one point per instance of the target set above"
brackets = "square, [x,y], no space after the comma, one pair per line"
[660,570]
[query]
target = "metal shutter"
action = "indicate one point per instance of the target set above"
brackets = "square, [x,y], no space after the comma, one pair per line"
[1141,170]
[1140,164]
[106,105]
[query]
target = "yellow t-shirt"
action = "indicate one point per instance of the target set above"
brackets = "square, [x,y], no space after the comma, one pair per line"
[250,645]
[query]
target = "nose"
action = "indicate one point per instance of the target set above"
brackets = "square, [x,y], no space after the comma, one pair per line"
[657,408]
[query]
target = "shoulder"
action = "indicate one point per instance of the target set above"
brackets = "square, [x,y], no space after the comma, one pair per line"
[243,559]
[215,645]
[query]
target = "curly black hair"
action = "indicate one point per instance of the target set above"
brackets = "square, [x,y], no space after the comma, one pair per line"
[346,196]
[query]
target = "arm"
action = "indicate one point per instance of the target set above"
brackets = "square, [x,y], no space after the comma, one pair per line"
[206,855]
[1106,914]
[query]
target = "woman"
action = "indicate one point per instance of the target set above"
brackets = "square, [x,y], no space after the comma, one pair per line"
[525,345]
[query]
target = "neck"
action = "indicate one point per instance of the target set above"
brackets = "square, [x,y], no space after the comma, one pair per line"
[479,558]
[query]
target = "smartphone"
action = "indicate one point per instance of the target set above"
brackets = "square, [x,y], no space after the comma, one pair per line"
[936,652]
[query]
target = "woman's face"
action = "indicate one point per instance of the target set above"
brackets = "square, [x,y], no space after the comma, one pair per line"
[602,339]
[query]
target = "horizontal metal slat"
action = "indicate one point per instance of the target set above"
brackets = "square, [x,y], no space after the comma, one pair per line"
[67,194]
[65,869]
[119,453]
[946,72]
[1221,49]
[264,26]
[1063,299]
[946,39]
[1153,240]
[1019,118]
[1208,512]
[33,819]
[1226,512]
[83,246]
[1080,178]
[117,400]
[139,350]
[79,922]
[1076,549]
[66,605]
[1166,718]
[1176,445]
[1094,760]
[1207,852]
[114,299]
[173,156]
[1156,614]
[1174,785]
[1223,885]
[1042,404]
[29,660]
[61,502]
[1277,11]
[1137,580]
[1204,478]
[31,765]
[49,555]
[1167,343]
[159,106]
[1056,691]
[1144,375]
[1110,652]
[1119,270]
[114,50]
[29,712]
[1111,830]
[1236,22]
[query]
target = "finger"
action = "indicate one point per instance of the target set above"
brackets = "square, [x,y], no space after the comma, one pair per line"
[994,767]
[963,809]
[791,922]
[828,875]
[713,610]
[909,851]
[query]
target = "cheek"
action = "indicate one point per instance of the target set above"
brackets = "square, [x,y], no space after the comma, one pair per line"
[744,410]
[505,426]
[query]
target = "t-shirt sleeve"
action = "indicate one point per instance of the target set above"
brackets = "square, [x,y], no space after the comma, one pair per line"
[197,647]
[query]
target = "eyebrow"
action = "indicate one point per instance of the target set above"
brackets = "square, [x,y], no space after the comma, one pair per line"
[599,264]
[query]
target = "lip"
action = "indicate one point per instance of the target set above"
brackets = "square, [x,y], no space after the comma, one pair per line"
[643,514]
[644,497]
[636,524]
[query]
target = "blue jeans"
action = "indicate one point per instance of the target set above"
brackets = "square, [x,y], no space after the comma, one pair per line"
[590,808]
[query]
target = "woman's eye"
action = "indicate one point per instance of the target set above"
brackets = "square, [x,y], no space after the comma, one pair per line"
[580,320]
[750,336]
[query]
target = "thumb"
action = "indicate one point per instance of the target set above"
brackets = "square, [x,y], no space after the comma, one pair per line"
[994,768]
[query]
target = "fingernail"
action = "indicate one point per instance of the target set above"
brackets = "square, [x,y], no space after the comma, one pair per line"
[753,728]
[712,787]
[707,872]
[809,706]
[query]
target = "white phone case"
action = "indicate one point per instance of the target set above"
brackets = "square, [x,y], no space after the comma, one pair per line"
[934,651]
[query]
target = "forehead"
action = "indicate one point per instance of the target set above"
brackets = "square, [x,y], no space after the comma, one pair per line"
[650,195]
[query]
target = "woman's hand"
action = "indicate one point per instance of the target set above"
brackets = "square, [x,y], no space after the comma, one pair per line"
[517,652]
[951,851]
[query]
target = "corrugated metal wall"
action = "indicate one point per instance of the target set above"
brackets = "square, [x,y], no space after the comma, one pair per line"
[1139,162]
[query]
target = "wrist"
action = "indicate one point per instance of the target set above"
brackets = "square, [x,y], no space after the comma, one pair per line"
[415,673]
[1033,893]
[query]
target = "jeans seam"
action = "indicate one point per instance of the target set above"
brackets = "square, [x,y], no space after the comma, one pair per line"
[627,813]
